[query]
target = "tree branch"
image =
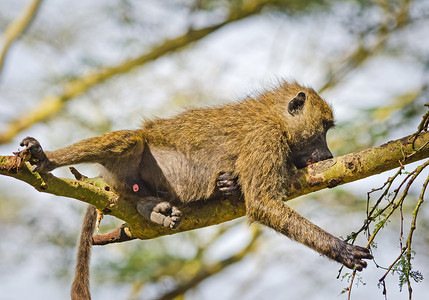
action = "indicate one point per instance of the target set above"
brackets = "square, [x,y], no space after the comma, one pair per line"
[16,28]
[329,173]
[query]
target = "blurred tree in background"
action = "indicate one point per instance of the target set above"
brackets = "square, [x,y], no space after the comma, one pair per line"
[70,70]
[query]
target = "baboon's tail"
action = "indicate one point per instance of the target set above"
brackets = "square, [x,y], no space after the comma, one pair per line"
[80,286]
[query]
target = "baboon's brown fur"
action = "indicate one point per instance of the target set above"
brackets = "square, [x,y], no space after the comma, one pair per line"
[260,141]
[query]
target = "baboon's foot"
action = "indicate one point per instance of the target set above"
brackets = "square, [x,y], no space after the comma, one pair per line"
[162,213]
[38,160]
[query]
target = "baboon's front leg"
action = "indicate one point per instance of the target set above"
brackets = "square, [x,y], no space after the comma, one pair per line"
[277,215]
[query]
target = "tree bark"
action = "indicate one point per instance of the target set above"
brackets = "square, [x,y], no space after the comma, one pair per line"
[325,174]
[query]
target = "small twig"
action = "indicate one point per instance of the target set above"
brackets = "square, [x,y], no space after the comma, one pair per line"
[409,179]
[412,229]
[119,235]
[423,126]
[395,205]
[77,174]
[349,295]
[81,177]
[100,216]
[392,265]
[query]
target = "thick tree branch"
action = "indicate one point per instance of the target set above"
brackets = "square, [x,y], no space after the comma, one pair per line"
[329,173]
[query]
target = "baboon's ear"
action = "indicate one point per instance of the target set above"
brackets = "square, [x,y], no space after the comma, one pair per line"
[297,103]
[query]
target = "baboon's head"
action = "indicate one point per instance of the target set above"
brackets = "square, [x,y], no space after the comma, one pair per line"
[308,120]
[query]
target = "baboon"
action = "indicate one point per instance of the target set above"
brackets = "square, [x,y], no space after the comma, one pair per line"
[258,142]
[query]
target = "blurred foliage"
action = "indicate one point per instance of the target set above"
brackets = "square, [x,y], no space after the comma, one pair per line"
[373,125]
[341,46]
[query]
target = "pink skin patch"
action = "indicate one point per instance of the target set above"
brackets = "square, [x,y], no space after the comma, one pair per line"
[136,188]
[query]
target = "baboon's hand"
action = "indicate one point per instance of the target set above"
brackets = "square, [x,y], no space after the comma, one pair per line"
[38,160]
[226,183]
[353,256]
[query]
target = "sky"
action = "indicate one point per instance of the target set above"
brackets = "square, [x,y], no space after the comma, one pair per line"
[230,64]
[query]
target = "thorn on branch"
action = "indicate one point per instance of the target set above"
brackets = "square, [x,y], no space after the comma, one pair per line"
[100,216]
[76,174]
